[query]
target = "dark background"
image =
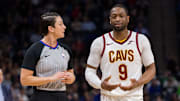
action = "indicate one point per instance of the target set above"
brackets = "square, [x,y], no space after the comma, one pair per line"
[85,20]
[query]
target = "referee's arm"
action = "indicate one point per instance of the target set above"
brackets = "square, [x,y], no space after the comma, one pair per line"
[28,68]
[27,78]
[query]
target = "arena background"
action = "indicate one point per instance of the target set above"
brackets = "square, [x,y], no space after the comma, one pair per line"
[85,20]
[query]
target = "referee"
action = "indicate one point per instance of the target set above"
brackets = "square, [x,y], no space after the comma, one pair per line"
[47,64]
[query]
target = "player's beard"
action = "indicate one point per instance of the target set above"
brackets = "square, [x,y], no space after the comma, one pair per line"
[119,29]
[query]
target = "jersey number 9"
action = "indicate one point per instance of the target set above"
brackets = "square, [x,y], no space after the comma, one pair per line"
[123,72]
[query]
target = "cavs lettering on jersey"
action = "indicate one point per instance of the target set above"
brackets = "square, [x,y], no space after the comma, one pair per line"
[121,60]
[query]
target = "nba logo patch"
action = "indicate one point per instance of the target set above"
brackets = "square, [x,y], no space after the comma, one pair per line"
[63,55]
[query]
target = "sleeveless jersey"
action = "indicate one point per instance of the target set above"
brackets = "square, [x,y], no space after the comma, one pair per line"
[122,61]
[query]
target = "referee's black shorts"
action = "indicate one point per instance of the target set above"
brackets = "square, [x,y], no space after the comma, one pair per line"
[40,95]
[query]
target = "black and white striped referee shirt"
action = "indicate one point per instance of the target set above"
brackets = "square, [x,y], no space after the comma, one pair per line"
[46,61]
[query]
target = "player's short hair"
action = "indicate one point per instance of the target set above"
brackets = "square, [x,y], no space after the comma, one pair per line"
[120,6]
[47,19]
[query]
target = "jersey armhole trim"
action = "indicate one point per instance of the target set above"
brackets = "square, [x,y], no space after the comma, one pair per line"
[89,66]
[104,42]
[137,44]
[29,68]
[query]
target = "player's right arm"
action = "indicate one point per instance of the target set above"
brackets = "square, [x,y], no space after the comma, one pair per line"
[92,65]
[28,68]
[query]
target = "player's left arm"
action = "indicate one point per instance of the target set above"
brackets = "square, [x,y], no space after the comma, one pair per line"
[148,75]
[69,76]
[148,61]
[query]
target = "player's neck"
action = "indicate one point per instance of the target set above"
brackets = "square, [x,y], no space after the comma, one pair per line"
[120,35]
[50,40]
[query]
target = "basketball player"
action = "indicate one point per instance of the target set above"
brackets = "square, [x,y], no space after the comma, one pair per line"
[47,64]
[120,54]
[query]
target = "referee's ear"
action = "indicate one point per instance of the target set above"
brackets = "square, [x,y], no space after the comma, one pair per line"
[50,29]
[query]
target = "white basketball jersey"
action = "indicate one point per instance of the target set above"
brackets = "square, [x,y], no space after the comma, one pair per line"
[121,61]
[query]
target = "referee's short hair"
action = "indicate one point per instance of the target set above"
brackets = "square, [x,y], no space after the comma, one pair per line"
[47,19]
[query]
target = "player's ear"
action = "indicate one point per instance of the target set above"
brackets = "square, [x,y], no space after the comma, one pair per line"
[50,29]
[110,19]
[128,17]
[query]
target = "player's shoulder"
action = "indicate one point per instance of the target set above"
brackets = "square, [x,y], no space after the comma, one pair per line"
[141,37]
[97,40]
[137,33]
[100,38]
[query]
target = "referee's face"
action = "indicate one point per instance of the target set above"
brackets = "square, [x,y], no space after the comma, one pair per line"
[59,28]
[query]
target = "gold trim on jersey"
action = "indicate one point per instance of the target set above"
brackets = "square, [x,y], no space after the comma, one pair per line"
[110,34]
[121,41]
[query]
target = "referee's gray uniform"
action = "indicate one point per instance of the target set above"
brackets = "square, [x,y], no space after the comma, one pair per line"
[46,61]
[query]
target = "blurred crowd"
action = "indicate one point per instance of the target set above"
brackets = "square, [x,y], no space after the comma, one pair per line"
[178,20]
[85,20]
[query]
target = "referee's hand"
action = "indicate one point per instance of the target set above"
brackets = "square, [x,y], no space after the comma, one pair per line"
[68,77]
[58,76]
[107,86]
